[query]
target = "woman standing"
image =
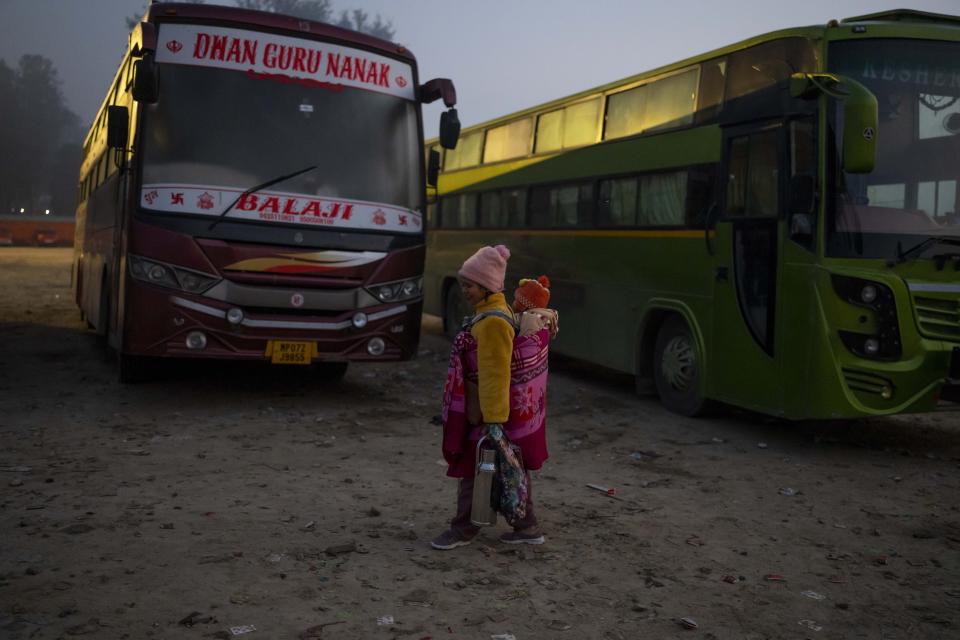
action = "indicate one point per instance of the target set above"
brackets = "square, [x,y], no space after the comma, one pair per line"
[482,356]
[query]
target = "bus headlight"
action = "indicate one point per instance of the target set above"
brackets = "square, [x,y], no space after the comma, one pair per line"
[360,320]
[157,273]
[166,275]
[376,347]
[196,340]
[870,346]
[884,344]
[399,291]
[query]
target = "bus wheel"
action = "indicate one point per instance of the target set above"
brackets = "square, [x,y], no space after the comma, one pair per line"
[331,370]
[134,369]
[676,367]
[454,312]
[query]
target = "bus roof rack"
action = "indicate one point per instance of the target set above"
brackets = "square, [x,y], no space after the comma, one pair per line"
[903,15]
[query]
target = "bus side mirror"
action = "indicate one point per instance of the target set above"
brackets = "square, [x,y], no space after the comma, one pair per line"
[860,119]
[449,129]
[433,167]
[118,127]
[146,81]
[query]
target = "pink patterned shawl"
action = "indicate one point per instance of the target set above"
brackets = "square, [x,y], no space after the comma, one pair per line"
[526,426]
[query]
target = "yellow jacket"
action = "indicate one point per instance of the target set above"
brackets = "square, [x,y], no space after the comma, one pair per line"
[494,338]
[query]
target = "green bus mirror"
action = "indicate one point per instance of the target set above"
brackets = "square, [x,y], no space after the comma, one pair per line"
[449,129]
[859,152]
[146,81]
[859,130]
[118,123]
[433,167]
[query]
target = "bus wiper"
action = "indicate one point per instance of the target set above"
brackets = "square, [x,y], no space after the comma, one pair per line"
[252,190]
[920,247]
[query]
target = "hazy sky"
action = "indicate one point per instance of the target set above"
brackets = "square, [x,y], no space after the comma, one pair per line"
[503,55]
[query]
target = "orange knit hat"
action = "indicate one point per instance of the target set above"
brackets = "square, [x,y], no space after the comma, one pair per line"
[531,294]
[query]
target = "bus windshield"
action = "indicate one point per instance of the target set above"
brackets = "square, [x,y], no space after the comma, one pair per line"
[912,193]
[220,132]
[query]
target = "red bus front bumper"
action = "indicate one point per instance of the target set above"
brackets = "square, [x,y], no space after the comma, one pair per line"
[159,321]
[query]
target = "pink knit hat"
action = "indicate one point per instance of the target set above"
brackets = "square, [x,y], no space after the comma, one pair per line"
[487,267]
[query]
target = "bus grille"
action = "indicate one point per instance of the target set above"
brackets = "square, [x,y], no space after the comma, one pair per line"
[938,317]
[865,382]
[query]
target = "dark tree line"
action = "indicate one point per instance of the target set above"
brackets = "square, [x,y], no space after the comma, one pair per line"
[40,139]
[318,10]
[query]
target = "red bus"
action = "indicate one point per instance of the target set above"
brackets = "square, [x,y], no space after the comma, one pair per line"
[253,189]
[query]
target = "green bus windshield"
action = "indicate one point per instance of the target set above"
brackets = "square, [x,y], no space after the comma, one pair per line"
[913,191]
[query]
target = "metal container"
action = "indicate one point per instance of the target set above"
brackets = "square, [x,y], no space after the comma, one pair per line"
[482,512]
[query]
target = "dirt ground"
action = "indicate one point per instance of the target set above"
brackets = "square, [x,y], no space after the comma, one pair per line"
[256,502]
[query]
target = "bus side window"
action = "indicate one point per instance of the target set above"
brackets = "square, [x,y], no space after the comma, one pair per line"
[460,211]
[710,97]
[515,207]
[540,214]
[701,183]
[617,202]
[802,198]
[491,211]
[569,205]
[752,180]
[663,199]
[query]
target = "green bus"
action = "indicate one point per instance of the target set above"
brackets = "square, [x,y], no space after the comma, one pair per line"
[772,225]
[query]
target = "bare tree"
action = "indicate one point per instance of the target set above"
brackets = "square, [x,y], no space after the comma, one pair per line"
[358,20]
[317,10]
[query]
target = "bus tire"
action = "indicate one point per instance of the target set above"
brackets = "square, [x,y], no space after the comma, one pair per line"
[454,310]
[677,368]
[331,371]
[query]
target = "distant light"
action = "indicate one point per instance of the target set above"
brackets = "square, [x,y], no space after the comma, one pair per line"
[46,212]
[21,209]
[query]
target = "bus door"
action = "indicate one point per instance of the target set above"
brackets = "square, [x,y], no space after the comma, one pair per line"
[742,366]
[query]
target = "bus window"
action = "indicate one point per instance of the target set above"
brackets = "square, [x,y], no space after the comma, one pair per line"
[617,203]
[508,141]
[766,64]
[467,153]
[936,113]
[515,207]
[564,202]
[572,126]
[625,113]
[752,180]
[580,123]
[663,198]
[491,211]
[803,171]
[459,211]
[671,101]
[890,196]
[540,214]
[561,206]
[701,183]
[710,93]
[937,199]
[549,132]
